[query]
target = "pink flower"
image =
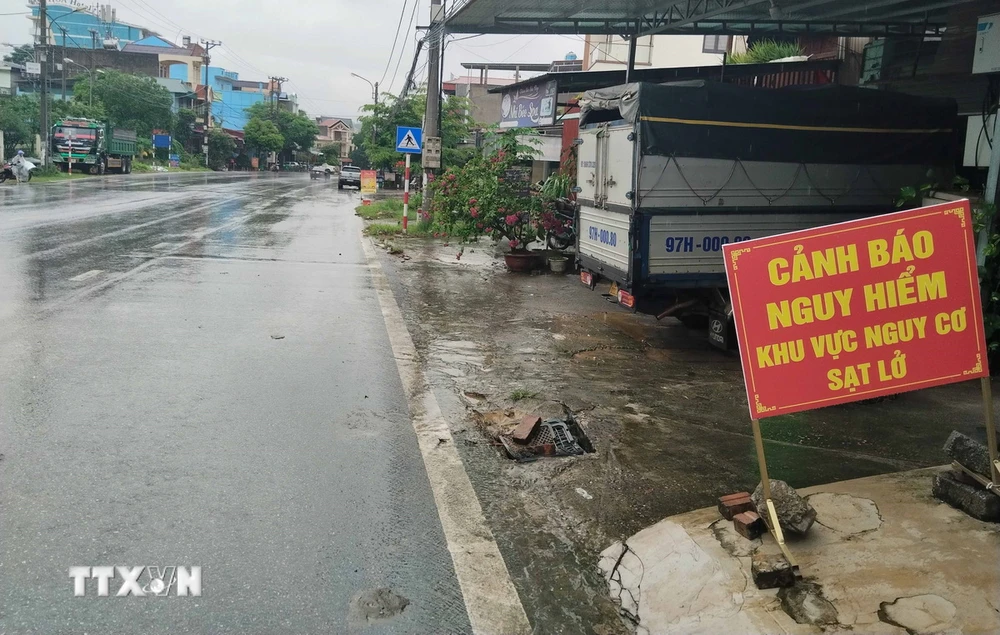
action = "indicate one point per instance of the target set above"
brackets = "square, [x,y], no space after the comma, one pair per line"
[436,235]
[512,219]
[513,244]
[474,212]
[472,201]
[489,229]
[479,225]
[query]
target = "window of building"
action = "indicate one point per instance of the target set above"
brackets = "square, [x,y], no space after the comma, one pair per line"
[715,44]
[612,48]
[338,136]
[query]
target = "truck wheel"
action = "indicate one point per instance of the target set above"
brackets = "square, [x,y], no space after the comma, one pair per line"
[128,166]
[102,168]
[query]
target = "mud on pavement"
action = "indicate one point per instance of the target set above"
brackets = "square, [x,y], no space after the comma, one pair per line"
[666,414]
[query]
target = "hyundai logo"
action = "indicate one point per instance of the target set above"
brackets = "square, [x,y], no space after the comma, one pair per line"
[717,326]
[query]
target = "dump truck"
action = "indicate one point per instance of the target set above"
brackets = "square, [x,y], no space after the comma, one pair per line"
[669,173]
[88,145]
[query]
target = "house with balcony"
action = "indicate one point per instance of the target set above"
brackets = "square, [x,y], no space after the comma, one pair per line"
[336,130]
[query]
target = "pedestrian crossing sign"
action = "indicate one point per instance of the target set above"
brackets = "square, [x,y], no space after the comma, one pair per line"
[409,140]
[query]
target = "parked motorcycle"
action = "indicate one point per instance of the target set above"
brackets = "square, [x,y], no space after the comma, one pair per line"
[560,224]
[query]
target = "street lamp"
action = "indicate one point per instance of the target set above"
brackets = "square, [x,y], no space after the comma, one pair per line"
[67,60]
[375,90]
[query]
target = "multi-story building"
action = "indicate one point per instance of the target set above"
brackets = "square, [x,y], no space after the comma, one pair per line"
[86,26]
[610,52]
[336,130]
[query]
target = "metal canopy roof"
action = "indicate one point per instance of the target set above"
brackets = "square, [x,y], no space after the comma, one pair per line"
[733,17]
[579,81]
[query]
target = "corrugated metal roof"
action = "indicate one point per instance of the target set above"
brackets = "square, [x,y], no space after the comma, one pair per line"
[735,17]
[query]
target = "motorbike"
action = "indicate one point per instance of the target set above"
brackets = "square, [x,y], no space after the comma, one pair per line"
[8,173]
[560,224]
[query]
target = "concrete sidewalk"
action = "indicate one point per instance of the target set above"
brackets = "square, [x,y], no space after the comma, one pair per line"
[883,557]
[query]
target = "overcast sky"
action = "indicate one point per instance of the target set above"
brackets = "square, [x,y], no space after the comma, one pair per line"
[317,44]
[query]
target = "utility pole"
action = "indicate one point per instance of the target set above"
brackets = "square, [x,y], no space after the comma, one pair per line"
[276,96]
[209,45]
[41,54]
[432,115]
[64,67]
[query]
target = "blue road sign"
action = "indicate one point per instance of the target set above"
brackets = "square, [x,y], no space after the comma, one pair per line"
[409,140]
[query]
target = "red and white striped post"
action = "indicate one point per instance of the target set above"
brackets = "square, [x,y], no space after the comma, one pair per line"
[406,193]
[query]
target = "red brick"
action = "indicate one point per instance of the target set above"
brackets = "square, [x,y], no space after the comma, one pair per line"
[749,525]
[526,428]
[734,504]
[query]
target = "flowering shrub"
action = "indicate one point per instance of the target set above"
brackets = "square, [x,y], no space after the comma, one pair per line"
[481,198]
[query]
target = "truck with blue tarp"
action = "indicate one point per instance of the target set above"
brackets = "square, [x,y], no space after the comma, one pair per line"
[89,145]
[669,173]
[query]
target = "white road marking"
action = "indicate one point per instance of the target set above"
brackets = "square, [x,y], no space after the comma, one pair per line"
[93,273]
[162,245]
[490,597]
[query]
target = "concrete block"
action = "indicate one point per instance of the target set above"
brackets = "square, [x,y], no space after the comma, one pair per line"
[795,514]
[771,571]
[749,525]
[527,427]
[733,504]
[969,452]
[974,501]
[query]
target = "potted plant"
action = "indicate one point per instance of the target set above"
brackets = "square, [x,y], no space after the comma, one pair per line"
[491,196]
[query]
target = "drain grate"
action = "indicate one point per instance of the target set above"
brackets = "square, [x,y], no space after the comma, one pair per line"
[554,437]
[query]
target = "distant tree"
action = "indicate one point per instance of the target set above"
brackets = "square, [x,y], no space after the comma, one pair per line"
[378,128]
[21,54]
[220,148]
[360,158]
[130,101]
[298,131]
[19,122]
[263,136]
[331,153]
[63,108]
[183,127]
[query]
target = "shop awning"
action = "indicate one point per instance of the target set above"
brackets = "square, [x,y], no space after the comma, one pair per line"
[732,17]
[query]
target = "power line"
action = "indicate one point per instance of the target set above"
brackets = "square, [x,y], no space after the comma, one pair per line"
[402,49]
[402,12]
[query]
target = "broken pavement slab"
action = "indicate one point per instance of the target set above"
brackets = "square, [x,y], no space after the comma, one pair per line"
[883,557]
[974,501]
[969,452]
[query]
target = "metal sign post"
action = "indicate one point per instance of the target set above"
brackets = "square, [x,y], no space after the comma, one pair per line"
[772,513]
[406,193]
[408,141]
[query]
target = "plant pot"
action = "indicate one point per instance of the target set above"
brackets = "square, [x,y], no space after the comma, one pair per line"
[520,261]
[558,264]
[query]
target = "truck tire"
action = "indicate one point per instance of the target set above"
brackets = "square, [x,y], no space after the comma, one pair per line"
[101,167]
[127,166]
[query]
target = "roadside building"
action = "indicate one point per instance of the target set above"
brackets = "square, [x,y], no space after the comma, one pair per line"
[338,130]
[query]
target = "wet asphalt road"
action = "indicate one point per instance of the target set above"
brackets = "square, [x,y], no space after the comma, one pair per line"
[194,370]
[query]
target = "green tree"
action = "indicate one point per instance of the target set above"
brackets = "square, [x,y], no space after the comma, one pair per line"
[331,153]
[263,136]
[220,148]
[378,128]
[130,101]
[184,125]
[20,54]
[19,122]
[298,130]
[72,108]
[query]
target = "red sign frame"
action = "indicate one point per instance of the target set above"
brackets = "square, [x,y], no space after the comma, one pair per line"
[858,310]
